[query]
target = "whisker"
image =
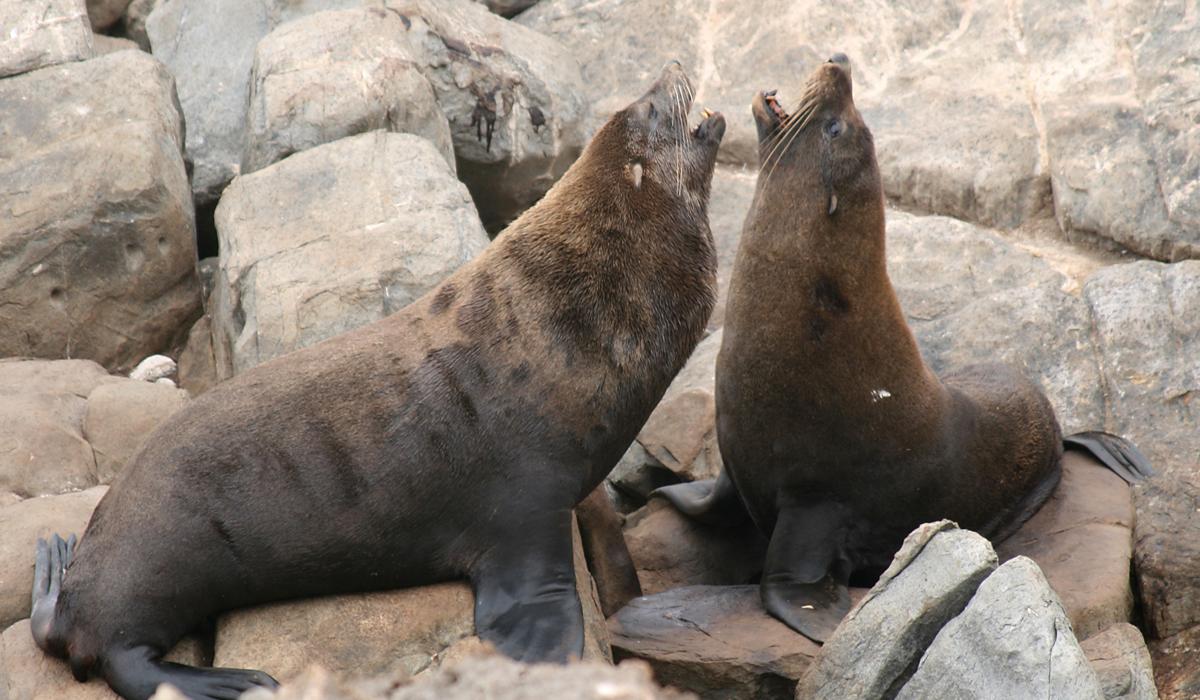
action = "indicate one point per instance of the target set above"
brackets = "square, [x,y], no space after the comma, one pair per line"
[795,133]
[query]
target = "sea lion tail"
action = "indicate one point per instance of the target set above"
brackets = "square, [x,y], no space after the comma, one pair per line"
[1115,452]
[50,563]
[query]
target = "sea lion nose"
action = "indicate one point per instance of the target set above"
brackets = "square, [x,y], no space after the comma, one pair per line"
[842,61]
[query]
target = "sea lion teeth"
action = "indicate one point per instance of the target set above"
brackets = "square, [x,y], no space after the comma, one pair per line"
[705,113]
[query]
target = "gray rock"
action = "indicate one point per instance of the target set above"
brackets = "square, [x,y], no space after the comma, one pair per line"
[133,22]
[334,74]
[105,13]
[715,641]
[197,361]
[1013,640]
[1147,326]
[333,238]
[514,99]
[877,646]
[1122,663]
[209,46]
[1167,553]
[22,524]
[41,33]
[104,44]
[97,241]
[121,416]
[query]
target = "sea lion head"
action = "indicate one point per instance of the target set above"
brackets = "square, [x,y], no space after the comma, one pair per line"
[822,154]
[653,148]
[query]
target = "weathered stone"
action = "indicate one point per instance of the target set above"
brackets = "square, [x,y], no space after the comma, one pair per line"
[1177,665]
[507,8]
[97,237]
[104,44]
[1147,326]
[1167,553]
[876,648]
[41,33]
[28,673]
[671,550]
[197,363]
[153,368]
[1013,640]
[1082,538]
[716,641]
[133,22]
[334,74]
[21,525]
[333,238]
[209,46]
[1122,663]
[514,99]
[119,418]
[104,13]
[399,633]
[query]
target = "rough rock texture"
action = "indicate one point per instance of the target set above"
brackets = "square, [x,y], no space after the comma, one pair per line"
[97,238]
[335,74]
[1147,318]
[120,415]
[197,362]
[670,550]
[1177,665]
[105,13]
[333,238]
[1122,663]
[1082,540]
[480,676]
[877,646]
[27,673]
[41,33]
[514,99]
[400,632]
[104,44]
[716,641]
[1167,553]
[21,525]
[1073,94]
[133,22]
[1013,640]
[731,194]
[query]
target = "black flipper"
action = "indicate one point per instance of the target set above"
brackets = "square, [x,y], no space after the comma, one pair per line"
[711,501]
[526,603]
[50,564]
[135,674]
[804,583]
[1115,452]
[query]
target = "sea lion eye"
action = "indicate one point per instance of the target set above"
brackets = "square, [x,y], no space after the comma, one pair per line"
[651,112]
[834,128]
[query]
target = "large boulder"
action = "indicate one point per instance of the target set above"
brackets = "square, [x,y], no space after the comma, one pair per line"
[1177,665]
[120,415]
[876,647]
[21,525]
[41,33]
[1122,663]
[97,241]
[1013,640]
[335,74]
[1069,100]
[1167,553]
[333,238]
[514,99]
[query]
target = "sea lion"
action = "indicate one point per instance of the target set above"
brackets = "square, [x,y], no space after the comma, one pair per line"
[837,439]
[449,440]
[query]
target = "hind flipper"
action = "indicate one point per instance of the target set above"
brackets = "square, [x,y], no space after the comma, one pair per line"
[804,578]
[135,674]
[1115,452]
[50,563]
[711,501]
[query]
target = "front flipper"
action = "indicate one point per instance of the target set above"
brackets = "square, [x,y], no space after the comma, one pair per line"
[135,673]
[804,577]
[526,603]
[711,501]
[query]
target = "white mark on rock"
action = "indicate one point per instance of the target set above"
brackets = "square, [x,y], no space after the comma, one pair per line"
[877,394]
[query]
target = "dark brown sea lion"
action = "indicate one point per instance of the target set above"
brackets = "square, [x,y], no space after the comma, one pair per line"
[837,439]
[450,440]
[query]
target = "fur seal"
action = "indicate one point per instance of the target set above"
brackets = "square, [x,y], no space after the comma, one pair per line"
[449,440]
[837,439]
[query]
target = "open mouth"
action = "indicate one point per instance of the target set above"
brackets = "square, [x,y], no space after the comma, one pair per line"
[708,124]
[770,110]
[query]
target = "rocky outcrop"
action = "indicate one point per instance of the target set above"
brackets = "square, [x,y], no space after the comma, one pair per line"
[333,238]
[1013,640]
[1167,553]
[41,33]
[97,241]
[1122,663]
[334,74]
[1073,95]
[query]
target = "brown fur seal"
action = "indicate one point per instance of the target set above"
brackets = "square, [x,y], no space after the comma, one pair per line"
[835,434]
[450,440]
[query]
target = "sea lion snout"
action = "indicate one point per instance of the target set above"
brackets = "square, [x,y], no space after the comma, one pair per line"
[842,61]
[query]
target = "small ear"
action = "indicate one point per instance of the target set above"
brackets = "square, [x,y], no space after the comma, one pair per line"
[832,202]
[634,172]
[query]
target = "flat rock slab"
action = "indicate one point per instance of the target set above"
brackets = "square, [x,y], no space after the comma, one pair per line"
[877,646]
[1082,540]
[1122,663]
[41,33]
[1013,640]
[1177,665]
[97,232]
[715,641]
